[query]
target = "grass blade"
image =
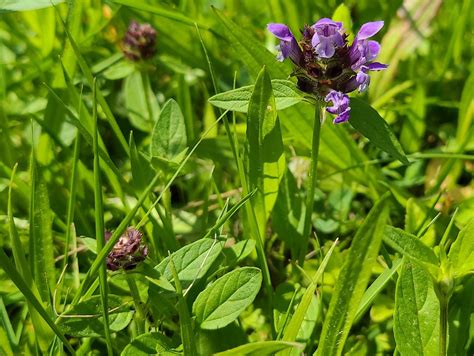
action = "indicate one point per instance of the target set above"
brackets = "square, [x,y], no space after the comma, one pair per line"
[352,280]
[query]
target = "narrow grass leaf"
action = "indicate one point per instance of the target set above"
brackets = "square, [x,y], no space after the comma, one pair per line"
[260,348]
[296,321]
[375,288]
[369,123]
[20,283]
[416,318]
[352,280]
[26,5]
[223,301]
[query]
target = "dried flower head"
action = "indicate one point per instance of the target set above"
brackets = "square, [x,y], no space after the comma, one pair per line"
[139,41]
[326,65]
[128,251]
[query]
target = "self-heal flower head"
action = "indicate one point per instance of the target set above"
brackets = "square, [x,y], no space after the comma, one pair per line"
[139,41]
[127,252]
[326,65]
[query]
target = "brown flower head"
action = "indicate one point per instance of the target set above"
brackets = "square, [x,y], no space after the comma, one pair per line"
[139,41]
[128,251]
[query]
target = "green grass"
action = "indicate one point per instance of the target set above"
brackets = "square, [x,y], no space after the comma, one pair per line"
[266,233]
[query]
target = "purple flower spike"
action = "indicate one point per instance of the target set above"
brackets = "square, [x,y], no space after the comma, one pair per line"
[288,45]
[340,106]
[128,251]
[326,37]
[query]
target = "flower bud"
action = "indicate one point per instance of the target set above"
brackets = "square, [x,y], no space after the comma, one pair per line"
[139,41]
[128,251]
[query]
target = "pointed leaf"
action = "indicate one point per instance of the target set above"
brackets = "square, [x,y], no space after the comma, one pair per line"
[461,253]
[223,301]
[369,123]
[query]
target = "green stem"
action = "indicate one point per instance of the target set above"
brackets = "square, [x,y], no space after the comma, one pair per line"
[311,183]
[140,317]
[147,89]
[443,325]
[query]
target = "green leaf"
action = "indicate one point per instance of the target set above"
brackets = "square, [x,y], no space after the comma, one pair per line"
[26,5]
[409,245]
[260,348]
[141,170]
[191,261]
[369,123]
[120,70]
[41,237]
[285,92]
[223,301]
[265,149]
[136,102]
[375,288]
[147,344]
[238,251]
[416,318]
[168,138]
[85,318]
[352,280]
[298,318]
[461,253]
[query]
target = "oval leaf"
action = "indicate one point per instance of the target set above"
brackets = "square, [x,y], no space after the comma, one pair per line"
[191,261]
[285,92]
[369,123]
[147,344]
[168,139]
[461,253]
[223,301]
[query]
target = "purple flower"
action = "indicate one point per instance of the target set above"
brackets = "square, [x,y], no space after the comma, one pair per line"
[326,65]
[326,37]
[288,46]
[127,252]
[340,106]
[139,41]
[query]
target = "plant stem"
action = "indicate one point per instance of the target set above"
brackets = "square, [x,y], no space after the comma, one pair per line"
[311,182]
[443,325]
[141,315]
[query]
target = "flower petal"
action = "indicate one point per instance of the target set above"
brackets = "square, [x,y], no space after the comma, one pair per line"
[369,29]
[327,21]
[374,49]
[325,49]
[377,66]
[280,31]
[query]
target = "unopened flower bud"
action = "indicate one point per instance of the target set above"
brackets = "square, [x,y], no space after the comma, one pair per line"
[128,251]
[139,41]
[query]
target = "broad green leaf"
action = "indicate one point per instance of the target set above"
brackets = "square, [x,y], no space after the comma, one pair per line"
[120,70]
[223,301]
[191,261]
[260,348]
[285,92]
[147,344]
[416,318]
[141,170]
[26,5]
[210,342]
[461,253]
[409,245]
[265,149]
[136,91]
[85,319]
[352,280]
[369,123]
[168,138]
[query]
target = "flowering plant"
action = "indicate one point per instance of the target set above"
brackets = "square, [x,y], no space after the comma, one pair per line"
[326,65]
